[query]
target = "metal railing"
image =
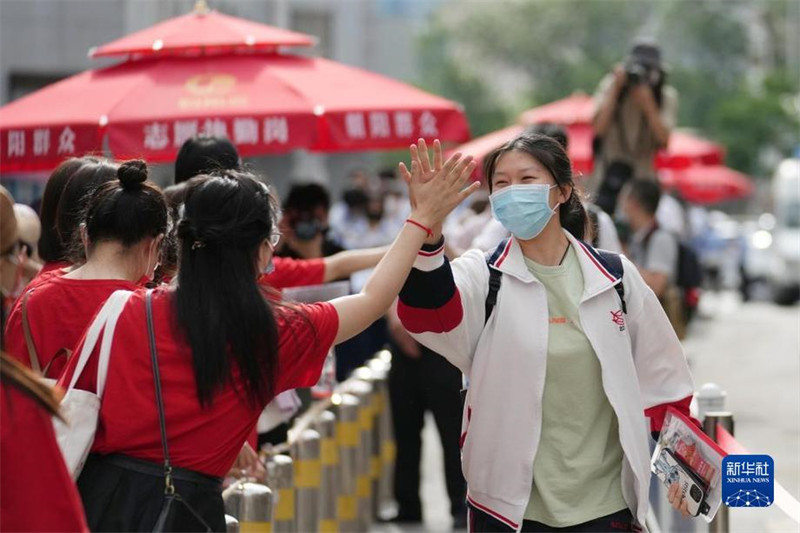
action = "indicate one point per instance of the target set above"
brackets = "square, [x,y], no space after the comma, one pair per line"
[334,472]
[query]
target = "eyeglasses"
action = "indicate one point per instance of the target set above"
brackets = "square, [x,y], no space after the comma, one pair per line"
[275,238]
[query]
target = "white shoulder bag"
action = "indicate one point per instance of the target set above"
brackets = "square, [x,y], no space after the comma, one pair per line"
[80,408]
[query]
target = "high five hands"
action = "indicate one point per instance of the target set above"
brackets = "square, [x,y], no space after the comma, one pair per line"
[436,188]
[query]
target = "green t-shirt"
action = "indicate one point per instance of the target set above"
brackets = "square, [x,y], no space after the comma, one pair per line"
[577,470]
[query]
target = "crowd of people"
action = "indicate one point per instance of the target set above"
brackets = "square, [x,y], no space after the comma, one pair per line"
[518,292]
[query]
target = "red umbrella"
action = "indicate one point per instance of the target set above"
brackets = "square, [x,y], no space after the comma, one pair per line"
[575,109]
[202,31]
[266,103]
[579,149]
[707,184]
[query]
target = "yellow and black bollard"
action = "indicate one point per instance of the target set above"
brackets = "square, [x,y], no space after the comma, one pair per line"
[251,504]
[280,473]
[325,424]
[380,368]
[307,479]
[348,436]
[363,390]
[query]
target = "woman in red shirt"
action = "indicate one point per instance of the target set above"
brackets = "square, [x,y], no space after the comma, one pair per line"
[36,490]
[224,349]
[121,228]
[54,250]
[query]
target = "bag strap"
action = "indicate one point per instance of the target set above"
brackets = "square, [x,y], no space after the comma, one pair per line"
[495,281]
[613,263]
[33,355]
[102,323]
[169,488]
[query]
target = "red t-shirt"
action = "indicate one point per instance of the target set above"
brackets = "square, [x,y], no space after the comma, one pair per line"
[36,490]
[294,273]
[48,270]
[206,440]
[59,310]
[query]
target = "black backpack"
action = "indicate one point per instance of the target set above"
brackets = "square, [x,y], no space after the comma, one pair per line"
[689,273]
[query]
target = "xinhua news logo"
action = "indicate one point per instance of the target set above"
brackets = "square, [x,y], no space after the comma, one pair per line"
[748,480]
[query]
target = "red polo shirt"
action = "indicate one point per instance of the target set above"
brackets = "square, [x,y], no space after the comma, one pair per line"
[59,310]
[202,439]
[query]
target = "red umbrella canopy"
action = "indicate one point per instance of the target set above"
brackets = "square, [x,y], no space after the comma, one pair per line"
[575,113]
[265,103]
[707,184]
[579,148]
[202,31]
[575,109]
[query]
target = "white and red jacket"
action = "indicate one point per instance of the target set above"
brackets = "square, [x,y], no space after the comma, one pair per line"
[644,369]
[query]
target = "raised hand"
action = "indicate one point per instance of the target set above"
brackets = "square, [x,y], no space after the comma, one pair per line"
[421,168]
[438,192]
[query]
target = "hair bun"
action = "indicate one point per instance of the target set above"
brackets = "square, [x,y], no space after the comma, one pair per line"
[132,174]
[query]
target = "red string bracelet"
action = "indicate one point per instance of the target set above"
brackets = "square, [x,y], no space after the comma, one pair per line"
[426,229]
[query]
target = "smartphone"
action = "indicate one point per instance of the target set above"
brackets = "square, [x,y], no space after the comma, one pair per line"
[672,469]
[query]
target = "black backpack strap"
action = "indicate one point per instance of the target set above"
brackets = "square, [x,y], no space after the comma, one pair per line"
[613,263]
[495,280]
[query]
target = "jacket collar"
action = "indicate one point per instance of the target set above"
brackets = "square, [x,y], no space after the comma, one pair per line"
[596,278]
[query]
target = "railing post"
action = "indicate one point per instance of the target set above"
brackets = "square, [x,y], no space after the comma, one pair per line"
[280,475]
[363,391]
[721,522]
[380,367]
[349,438]
[250,504]
[710,397]
[325,424]
[307,480]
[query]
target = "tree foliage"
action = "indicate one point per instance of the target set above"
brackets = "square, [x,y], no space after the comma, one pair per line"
[497,58]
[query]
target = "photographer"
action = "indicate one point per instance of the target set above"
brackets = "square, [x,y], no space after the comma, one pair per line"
[634,113]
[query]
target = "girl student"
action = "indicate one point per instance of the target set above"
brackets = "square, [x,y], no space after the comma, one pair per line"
[566,350]
[119,232]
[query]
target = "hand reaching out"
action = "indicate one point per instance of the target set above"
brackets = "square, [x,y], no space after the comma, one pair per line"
[421,168]
[436,188]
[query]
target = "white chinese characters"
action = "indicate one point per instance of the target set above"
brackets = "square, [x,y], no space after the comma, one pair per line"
[245,131]
[15,143]
[156,136]
[276,130]
[41,141]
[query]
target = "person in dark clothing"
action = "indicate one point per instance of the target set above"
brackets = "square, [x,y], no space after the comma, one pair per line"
[421,381]
[305,223]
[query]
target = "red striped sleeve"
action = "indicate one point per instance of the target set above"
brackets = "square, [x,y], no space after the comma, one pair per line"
[438,320]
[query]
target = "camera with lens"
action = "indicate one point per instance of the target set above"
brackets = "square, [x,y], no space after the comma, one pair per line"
[636,73]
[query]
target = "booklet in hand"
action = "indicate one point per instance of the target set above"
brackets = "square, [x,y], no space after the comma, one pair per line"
[687,456]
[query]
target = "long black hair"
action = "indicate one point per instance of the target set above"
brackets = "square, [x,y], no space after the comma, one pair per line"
[220,307]
[72,203]
[551,154]
[51,246]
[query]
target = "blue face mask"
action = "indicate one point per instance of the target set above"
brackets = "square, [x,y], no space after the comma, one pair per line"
[524,210]
[270,268]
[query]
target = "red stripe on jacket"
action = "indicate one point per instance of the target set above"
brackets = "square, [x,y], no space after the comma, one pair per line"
[439,320]
[658,412]
[494,514]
